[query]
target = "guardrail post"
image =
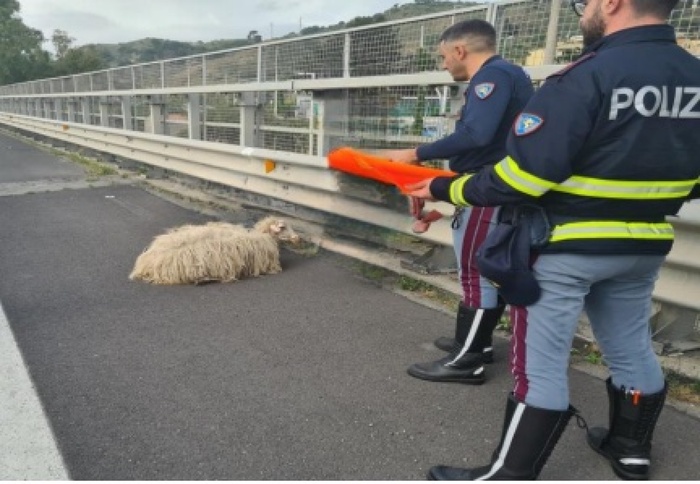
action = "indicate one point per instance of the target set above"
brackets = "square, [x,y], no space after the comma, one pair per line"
[58,104]
[85,109]
[331,110]
[104,112]
[249,108]
[194,116]
[126,113]
[71,110]
[46,109]
[155,122]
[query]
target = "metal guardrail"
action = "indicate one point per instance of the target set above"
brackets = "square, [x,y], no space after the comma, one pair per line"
[296,178]
[306,181]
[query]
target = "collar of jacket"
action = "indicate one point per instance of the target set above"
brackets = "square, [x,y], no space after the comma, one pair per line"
[491,59]
[645,33]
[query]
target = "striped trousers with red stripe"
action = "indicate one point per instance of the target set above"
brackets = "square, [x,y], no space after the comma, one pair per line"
[615,291]
[470,226]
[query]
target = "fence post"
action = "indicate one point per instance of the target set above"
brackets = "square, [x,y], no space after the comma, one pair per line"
[126,113]
[155,122]
[550,49]
[194,123]
[249,108]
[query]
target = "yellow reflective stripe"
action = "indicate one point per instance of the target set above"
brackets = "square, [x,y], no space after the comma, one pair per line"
[604,229]
[522,181]
[623,189]
[457,191]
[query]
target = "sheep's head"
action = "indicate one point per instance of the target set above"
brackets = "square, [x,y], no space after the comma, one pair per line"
[279,229]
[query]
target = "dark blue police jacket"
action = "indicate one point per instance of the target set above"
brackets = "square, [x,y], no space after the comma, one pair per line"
[496,94]
[609,146]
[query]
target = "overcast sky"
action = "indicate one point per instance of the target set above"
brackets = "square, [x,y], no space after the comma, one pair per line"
[114,21]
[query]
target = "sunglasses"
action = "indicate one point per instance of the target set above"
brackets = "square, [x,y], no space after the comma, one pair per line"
[578,6]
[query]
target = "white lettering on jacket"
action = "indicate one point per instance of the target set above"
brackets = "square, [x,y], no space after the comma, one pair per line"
[679,102]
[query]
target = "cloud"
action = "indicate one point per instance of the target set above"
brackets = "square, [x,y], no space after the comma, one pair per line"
[113,21]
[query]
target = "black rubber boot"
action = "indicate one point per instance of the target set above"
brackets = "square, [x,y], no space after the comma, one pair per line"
[462,325]
[529,435]
[465,364]
[627,444]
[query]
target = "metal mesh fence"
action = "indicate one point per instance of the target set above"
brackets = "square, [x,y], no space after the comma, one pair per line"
[686,19]
[394,117]
[176,117]
[283,140]
[122,78]
[222,117]
[183,73]
[314,58]
[147,76]
[234,67]
[357,113]
[140,112]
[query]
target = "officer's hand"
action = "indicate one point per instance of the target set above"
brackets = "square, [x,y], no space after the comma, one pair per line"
[420,190]
[407,156]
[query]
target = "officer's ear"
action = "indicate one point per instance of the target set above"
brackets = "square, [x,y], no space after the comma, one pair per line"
[611,7]
[461,51]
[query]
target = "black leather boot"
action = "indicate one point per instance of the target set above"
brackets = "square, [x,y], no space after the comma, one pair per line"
[463,323]
[529,435]
[465,364]
[627,444]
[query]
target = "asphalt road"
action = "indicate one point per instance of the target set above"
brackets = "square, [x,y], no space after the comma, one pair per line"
[296,376]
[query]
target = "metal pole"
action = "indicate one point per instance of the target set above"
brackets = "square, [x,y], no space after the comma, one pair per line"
[550,49]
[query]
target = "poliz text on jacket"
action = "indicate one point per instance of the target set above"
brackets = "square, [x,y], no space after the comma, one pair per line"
[678,102]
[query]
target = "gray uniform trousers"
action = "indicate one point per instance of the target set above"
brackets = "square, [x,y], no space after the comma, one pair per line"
[615,291]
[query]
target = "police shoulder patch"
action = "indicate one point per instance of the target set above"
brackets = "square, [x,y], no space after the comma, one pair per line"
[527,123]
[484,90]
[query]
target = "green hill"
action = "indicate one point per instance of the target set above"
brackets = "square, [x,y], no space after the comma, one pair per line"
[151,49]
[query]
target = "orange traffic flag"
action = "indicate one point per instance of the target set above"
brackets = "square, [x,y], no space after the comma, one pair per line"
[354,162]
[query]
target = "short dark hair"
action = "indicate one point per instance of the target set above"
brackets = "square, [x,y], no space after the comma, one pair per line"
[657,8]
[478,33]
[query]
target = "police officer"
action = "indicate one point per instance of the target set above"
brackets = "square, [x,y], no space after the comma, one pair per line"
[609,148]
[497,92]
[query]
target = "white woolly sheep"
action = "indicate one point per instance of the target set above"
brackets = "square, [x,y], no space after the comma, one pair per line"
[216,251]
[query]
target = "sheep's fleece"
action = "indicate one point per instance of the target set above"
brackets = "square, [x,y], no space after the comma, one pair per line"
[216,251]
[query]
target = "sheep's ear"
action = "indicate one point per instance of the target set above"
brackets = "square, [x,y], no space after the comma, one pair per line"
[276,228]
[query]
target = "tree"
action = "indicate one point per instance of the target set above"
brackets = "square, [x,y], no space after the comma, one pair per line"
[21,55]
[75,61]
[62,42]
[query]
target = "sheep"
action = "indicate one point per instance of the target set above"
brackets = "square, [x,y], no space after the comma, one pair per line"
[216,251]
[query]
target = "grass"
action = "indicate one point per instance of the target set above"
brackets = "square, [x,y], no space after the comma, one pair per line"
[680,387]
[428,291]
[93,169]
[683,388]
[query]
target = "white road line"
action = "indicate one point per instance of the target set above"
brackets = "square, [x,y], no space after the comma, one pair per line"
[28,449]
